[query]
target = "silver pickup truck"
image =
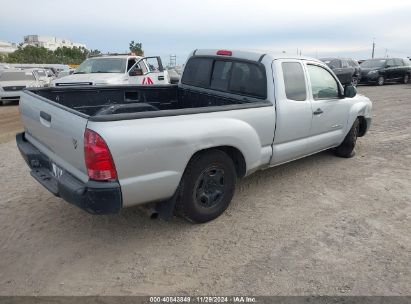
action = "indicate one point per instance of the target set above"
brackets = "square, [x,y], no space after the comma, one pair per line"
[180,148]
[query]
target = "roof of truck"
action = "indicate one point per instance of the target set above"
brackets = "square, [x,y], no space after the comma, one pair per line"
[254,55]
[114,56]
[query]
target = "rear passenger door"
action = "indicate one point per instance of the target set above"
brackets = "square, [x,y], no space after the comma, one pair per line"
[390,69]
[399,71]
[294,112]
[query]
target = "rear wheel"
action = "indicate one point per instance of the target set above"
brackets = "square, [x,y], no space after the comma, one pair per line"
[207,187]
[406,78]
[347,147]
[380,80]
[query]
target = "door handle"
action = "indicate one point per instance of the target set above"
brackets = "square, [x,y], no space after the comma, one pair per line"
[318,112]
[45,119]
[45,116]
[160,77]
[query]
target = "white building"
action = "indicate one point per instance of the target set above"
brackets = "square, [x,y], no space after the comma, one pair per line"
[7,47]
[51,43]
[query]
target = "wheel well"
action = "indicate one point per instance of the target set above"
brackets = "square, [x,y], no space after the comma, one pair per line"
[235,155]
[362,127]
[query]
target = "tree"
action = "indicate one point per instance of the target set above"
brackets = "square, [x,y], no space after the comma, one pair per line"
[62,55]
[136,48]
[3,57]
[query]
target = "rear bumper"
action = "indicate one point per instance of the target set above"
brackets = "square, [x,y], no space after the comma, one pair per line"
[93,197]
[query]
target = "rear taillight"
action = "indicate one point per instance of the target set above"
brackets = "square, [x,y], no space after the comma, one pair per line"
[224,53]
[99,163]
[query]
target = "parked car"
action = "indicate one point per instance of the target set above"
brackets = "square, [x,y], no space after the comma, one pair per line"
[13,81]
[182,147]
[115,70]
[174,75]
[43,75]
[65,73]
[347,70]
[380,71]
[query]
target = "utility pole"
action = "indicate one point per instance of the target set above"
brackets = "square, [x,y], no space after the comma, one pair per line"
[373,48]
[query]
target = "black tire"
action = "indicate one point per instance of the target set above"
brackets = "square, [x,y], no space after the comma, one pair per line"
[406,78]
[354,80]
[347,147]
[207,187]
[380,80]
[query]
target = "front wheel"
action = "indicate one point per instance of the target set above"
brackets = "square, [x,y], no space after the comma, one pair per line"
[347,147]
[354,81]
[406,78]
[380,80]
[207,186]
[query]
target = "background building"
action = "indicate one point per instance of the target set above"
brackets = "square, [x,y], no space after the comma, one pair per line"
[51,43]
[7,47]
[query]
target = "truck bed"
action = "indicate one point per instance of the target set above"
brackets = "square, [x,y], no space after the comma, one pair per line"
[100,102]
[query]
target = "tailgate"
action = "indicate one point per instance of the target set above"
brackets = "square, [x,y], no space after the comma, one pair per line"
[56,131]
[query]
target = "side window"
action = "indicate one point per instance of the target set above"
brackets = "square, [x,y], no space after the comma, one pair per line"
[398,62]
[294,81]
[248,79]
[140,66]
[335,64]
[323,84]
[221,75]
[130,63]
[153,64]
[344,63]
[390,63]
[197,72]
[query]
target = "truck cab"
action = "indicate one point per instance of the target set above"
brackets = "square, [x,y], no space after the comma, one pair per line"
[117,70]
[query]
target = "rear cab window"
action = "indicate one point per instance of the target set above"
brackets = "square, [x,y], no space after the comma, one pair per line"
[294,81]
[233,76]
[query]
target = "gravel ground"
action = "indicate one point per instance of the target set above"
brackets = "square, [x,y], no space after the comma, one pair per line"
[320,225]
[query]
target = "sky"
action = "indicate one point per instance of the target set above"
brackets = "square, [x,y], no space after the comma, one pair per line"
[317,28]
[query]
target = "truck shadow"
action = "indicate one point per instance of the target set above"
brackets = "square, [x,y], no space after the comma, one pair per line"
[135,216]
[133,225]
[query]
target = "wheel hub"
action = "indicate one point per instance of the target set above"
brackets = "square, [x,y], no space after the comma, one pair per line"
[210,187]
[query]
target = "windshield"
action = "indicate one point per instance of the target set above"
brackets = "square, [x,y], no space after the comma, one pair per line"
[102,65]
[15,76]
[41,73]
[374,63]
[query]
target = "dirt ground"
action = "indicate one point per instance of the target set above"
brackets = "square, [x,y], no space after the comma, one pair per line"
[321,225]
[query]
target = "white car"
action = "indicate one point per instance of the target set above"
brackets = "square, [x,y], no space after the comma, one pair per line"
[12,82]
[117,70]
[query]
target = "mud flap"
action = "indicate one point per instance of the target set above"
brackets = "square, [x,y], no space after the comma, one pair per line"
[165,209]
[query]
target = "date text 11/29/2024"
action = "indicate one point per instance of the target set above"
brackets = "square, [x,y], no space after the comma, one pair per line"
[203,299]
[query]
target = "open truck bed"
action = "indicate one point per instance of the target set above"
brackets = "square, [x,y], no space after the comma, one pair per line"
[115,102]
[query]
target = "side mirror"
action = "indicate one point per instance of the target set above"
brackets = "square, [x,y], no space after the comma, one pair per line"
[350,91]
[136,72]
